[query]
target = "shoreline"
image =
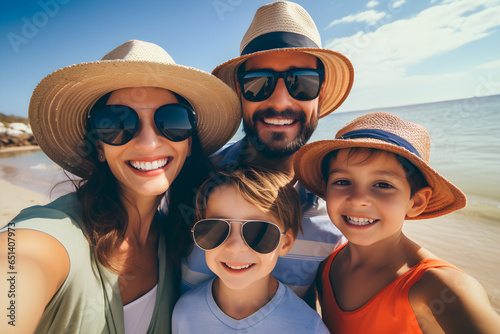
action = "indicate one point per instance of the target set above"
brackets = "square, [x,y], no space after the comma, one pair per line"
[7,152]
[19,148]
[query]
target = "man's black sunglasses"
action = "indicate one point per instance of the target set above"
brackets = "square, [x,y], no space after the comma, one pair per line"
[303,84]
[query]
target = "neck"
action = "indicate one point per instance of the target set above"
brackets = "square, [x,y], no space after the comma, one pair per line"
[141,212]
[394,251]
[252,156]
[242,303]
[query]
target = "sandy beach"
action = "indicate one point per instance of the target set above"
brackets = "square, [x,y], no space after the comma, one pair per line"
[467,241]
[472,247]
[14,198]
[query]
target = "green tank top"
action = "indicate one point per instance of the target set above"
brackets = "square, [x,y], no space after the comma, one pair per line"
[89,299]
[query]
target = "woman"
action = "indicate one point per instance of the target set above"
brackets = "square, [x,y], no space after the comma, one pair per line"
[102,260]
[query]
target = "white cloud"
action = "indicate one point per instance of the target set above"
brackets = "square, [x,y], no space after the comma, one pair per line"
[372,3]
[370,16]
[491,65]
[398,3]
[382,54]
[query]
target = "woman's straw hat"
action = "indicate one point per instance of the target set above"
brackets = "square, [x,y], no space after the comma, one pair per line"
[62,100]
[285,26]
[386,132]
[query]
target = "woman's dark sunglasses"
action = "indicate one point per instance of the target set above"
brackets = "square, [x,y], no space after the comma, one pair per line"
[117,124]
[303,84]
[263,237]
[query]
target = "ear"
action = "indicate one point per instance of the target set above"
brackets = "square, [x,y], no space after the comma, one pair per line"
[420,201]
[286,243]
[100,151]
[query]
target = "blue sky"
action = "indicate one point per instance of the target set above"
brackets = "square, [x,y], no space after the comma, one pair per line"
[404,51]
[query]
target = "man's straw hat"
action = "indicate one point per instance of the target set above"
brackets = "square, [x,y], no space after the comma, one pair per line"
[62,100]
[386,132]
[285,26]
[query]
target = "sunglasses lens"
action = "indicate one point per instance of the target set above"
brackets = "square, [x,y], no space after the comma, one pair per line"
[257,86]
[303,85]
[262,237]
[175,121]
[210,233]
[115,124]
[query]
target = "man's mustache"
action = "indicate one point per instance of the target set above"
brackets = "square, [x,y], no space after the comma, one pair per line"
[298,115]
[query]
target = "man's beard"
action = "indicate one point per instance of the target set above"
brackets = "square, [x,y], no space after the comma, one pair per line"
[265,147]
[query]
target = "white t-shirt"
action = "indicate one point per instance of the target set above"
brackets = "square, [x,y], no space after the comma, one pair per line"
[137,314]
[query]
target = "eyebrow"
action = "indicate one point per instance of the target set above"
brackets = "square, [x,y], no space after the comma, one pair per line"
[377,172]
[389,173]
[337,170]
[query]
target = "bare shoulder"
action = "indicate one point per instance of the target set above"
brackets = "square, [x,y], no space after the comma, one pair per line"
[450,300]
[40,247]
[37,265]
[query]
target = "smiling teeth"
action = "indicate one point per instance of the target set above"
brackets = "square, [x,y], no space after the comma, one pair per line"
[238,267]
[149,165]
[280,121]
[359,221]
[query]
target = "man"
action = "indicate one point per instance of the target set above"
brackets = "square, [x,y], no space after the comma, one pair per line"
[286,82]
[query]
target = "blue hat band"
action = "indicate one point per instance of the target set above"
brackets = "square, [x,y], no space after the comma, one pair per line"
[381,135]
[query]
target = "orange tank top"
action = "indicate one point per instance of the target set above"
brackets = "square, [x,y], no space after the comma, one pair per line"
[389,311]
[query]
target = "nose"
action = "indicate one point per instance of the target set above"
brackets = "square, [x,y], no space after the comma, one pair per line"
[358,197]
[280,99]
[147,136]
[235,242]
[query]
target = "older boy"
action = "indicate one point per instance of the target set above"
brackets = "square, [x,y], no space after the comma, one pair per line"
[374,175]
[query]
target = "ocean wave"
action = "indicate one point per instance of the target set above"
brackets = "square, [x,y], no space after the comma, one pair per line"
[45,166]
[481,206]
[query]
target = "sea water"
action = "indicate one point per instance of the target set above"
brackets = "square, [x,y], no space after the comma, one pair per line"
[465,148]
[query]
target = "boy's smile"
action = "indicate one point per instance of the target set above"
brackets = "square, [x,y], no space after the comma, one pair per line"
[359,221]
[367,197]
[238,267]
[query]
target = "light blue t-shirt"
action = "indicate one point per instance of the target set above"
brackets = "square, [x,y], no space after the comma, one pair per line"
[297,269]
[197,312]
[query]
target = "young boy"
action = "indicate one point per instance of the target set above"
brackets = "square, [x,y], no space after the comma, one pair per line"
[374,175]
[248,218]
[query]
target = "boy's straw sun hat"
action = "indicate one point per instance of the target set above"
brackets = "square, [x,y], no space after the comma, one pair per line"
[62,100]
[384,131]
[285,26]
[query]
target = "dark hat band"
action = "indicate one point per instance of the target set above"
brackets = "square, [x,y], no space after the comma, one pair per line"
[382,135]
[278,40]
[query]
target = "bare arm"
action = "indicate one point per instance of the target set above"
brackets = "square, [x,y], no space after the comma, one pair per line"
[33,266]
[450,301]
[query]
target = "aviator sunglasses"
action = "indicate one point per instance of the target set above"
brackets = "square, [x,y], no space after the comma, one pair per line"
[303,84]
[263,237]
[117,124]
